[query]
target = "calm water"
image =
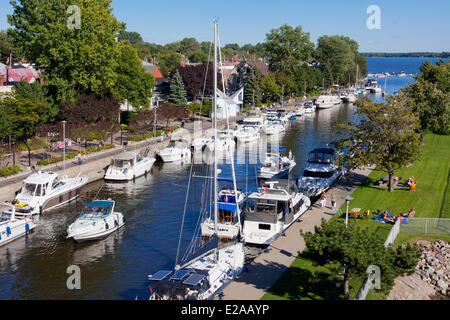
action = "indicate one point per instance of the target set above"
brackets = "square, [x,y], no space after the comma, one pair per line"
[34,267]
[397,65]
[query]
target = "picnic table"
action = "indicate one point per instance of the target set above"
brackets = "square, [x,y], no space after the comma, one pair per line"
[355,213]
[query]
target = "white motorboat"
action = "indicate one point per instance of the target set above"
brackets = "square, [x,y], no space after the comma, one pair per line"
[178,149]
[204,270]
[12,228]
[275,210]
[320,173]
[350,98]
[228,224]
[275,166]
[247,134]
[128,166]
[300,111]
[325,101]
[273,127]
[309,108]
[254,121]
[224,142]
[43,191]
[97,220]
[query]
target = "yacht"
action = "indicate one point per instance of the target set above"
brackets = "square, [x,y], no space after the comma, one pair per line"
[224,142]
[275,166]
[320,173]
[275,210]
[273,127]
[11,227]
[198,144]
[178,149]
[327,101]
[43,191]
[351,97]
[254,121]
[97,220]
[300,111]
[205,269]
[247,134]
[128,166]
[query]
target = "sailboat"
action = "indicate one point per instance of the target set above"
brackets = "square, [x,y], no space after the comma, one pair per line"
[204,270]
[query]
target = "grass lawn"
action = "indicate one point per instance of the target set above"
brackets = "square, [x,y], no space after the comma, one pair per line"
[431,199]
[306,281]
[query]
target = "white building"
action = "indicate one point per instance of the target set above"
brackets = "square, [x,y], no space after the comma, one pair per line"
[233,104]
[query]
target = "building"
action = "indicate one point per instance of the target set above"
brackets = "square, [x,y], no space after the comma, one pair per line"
[230,104]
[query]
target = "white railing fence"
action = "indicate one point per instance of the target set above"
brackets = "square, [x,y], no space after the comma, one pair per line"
[413,225]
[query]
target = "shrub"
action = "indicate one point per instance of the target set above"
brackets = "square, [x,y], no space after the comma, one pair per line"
[9,171]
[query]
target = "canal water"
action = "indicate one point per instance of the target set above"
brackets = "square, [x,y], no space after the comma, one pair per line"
[34,267]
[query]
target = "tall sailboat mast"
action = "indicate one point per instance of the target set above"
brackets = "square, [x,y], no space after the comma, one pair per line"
[216,254]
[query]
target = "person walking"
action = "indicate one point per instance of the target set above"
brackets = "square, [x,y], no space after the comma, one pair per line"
[79,159]
[333,201]
[323,199]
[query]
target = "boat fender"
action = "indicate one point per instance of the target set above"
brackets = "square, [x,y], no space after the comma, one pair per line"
[8,231]
[27,228]
[40,210]
[106,225]
[116,223]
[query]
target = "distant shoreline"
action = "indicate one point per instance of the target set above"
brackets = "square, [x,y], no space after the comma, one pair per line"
[444,55]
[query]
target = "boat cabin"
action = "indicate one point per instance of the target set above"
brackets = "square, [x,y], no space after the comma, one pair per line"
[322,156]
[40,184]
[272,205]
[126,160]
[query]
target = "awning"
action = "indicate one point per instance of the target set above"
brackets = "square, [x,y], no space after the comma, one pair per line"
[225,206]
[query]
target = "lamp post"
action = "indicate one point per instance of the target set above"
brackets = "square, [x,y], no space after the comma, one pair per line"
[64,144]
[347,201]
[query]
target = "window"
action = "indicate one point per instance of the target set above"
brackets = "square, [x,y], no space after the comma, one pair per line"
[318,174]
[264,227]
[28,189]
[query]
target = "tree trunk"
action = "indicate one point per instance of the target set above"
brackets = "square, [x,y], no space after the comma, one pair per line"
[391,181]
[29,154]
[346,284]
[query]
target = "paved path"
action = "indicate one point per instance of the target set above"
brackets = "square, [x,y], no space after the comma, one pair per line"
[268,267]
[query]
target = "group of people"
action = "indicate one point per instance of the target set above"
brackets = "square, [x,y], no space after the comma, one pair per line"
[323,200]
[411,183]
[386,216]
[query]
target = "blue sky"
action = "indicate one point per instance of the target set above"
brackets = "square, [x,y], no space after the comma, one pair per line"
[405,25]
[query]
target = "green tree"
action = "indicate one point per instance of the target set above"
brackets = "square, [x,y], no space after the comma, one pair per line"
[133,82]
[189,46]
[385,136]
[6,46]
[22,115]
[76,60]
[252,91]
[168,61]
[270,89]
[131,37]
[177,92]
[287,48]
[355,249]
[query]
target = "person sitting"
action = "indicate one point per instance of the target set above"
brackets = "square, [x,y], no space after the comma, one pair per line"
[412,212]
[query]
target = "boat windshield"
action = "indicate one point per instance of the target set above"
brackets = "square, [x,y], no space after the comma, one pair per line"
[320,157]
[95,212]
[318,174]
[269,206]
[28,189]
[123,163]
[5,216]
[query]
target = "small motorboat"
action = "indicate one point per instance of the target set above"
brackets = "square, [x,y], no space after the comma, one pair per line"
[247,134]
[129,166]
[273,127]
[178,149]
[275,166]
[12,228]
[97,220]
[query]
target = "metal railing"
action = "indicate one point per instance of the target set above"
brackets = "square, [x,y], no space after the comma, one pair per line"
[426,226]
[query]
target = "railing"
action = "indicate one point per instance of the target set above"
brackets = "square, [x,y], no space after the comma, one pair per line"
[413,225]
[426,226]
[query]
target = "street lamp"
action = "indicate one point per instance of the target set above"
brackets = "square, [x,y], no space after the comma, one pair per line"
[347,201]
[64,144]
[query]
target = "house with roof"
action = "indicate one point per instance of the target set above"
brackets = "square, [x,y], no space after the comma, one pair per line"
[238,77]
[231,105]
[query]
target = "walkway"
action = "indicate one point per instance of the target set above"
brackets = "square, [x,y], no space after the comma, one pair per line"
[268,267]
